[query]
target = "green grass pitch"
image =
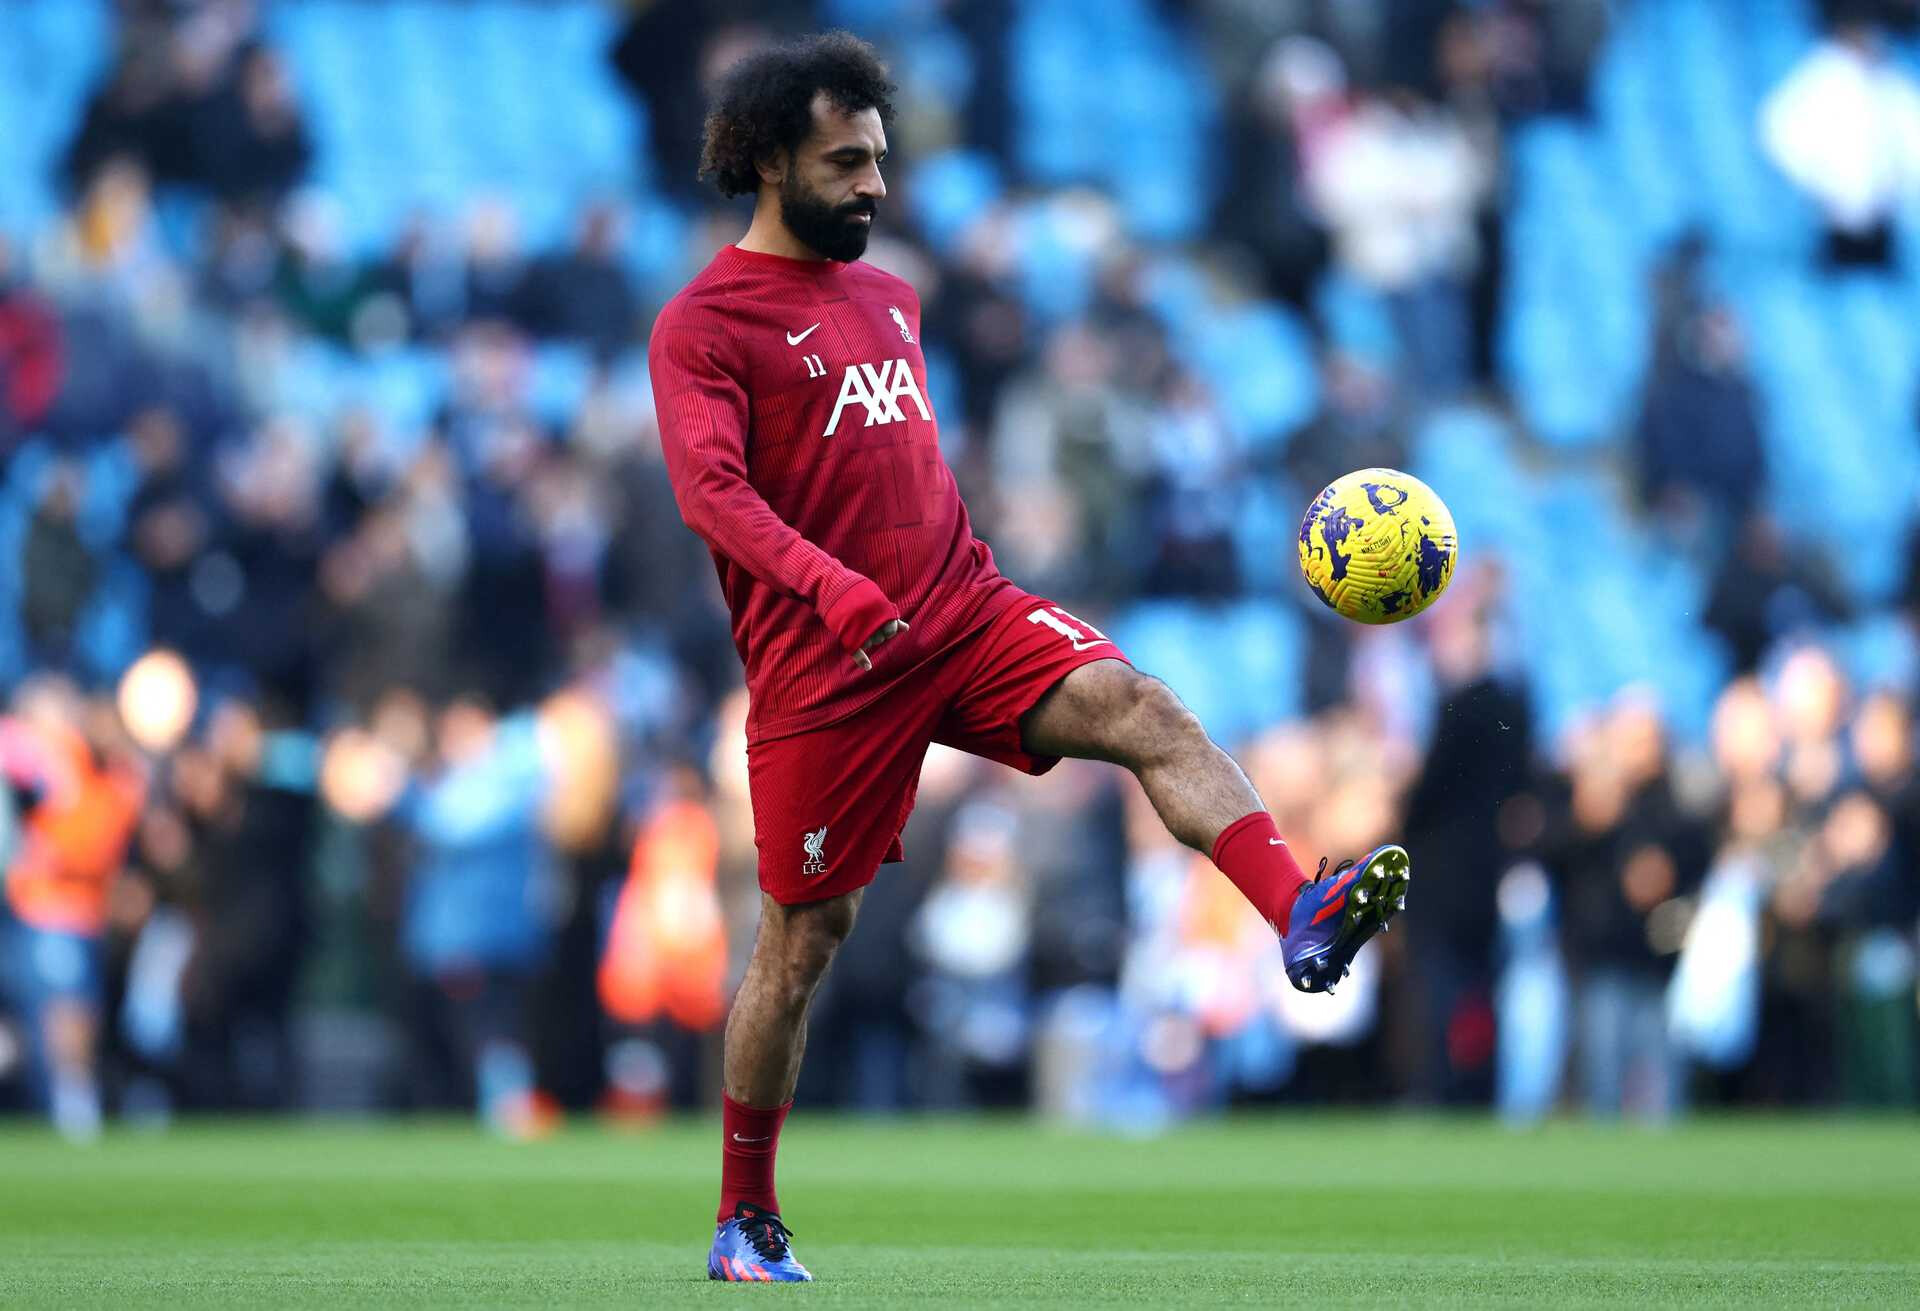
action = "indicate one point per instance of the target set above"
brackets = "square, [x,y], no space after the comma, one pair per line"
[1294,1210]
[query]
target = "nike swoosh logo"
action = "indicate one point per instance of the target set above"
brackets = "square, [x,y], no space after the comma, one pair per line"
[795,340]
[1276,842]
[763,1138]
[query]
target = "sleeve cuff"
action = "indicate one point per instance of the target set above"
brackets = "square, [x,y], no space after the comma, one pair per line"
[859,613]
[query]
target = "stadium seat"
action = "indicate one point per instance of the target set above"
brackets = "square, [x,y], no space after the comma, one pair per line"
[1237,665]
[469,107]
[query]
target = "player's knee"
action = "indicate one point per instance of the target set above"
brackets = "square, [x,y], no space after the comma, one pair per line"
[808,937]
[834,918]
[1153,723]
[802,970]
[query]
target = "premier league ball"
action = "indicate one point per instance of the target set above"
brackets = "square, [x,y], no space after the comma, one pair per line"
[1378,546]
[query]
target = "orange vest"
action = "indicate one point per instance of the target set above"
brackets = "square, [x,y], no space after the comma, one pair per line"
[75,841]
[1216,921]
[667,951]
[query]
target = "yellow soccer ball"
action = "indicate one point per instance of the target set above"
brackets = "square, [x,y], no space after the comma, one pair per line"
[1378,546]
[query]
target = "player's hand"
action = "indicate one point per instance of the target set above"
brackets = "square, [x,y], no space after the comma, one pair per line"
[888,631]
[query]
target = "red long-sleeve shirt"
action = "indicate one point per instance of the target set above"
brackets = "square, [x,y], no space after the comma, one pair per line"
[793,409]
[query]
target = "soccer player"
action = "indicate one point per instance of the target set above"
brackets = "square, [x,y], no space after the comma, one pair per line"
[793,411]
[62,862]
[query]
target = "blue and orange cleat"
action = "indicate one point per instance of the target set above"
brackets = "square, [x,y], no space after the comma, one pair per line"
[1336,913]
[752,1247]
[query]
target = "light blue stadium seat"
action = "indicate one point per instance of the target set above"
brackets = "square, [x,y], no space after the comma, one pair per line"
[1056,269]
[562,373]
[492,98]
[405,386]
[1572,345]
[52,53]
[657,236]
[1878,651]
[1237,665]
[1468,458]
[1113,94]
[950,189]
[1266,534]
[1175,289]
[1357,319]
[1259,359]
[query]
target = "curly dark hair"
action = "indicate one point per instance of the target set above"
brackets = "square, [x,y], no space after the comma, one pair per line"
[764,103]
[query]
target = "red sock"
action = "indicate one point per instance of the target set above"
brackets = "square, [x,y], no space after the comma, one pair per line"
[750,1135]
[1250,852]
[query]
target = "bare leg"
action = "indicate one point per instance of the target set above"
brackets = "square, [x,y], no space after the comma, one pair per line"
[1110,711]
[767,1028]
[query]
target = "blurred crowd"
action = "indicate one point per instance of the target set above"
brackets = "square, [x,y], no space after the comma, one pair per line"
[351,767]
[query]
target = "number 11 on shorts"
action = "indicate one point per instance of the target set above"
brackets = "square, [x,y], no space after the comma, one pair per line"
[1077,631]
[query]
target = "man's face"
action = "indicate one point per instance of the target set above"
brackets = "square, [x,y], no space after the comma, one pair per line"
[832,185]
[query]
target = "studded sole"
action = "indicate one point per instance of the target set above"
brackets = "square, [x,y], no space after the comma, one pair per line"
[1377,895]
[1386,879]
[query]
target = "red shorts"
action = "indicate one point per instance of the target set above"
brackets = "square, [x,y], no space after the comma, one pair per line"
[828,806]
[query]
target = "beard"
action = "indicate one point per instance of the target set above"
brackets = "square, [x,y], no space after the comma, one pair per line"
[829,230]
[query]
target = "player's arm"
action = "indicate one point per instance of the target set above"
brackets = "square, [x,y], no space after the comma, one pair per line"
[702,410]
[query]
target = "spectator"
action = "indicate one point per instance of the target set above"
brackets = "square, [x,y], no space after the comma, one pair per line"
[318,283]
[1538,57]
[584,294]
[479,909]
[134,112]
[1800,1039]
[479,906]
[668,54]
[664,967]
[1625,850]
[395,584]
[60,573]
[972,935]
[32,353]
[495,264]
[169,523]
[425,277]
[1844,126]
[1399,182]
[196,101]
[57,890]
[108,252]
[1882,756]
[1765,591]
[252,811]
[1699,434]
[264,575]
[1873,900]
[1295,103]
[1480,758]
[252,145]
[1189,497]
[1066,437]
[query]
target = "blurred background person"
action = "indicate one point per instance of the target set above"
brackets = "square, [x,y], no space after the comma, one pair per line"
[480,897]
[1699,445]
[247,800]
[1479,760]
[1399,181]
[1844,125]
[1624,854]
[66,855]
